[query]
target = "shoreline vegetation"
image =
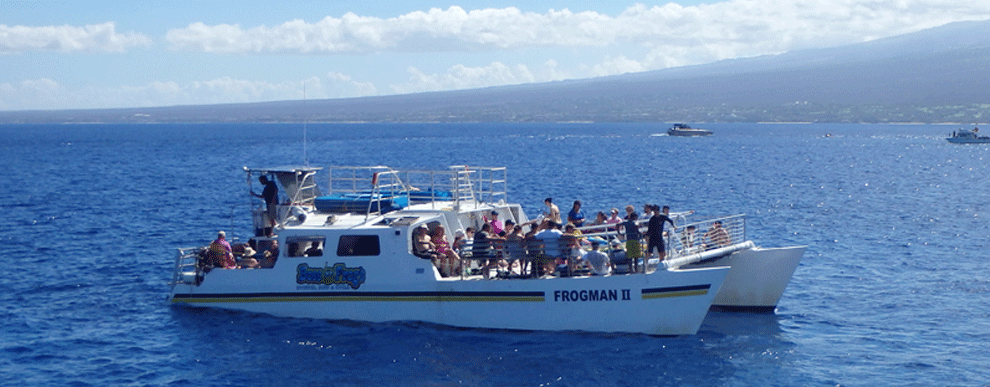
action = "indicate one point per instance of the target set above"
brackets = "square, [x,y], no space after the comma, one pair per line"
[345,111]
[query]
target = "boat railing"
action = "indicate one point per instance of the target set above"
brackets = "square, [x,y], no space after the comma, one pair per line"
[459,184]
[489,184]
[186,269]
[709,234]
[357,180]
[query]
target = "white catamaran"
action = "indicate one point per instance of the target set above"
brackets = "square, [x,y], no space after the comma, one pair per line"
[352,254]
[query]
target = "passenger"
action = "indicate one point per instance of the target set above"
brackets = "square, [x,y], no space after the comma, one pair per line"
[633,248]
[687,239]
[270,195]
[496,224]
[575,238]
[533,247]
[484,248]
[550,238]
[220,253]
[450,261]
[423,247]
[458,241]
[295,249]
[598,261]
[716,236]
[647,212]
[571,242]
[575,216]
[654,231]
[613,219]
[517,233]
[270,256]
[242,250]
[600,219]
[617,256]
[314,250]
[247,261]
[509,226]
[629,211]
[553,213]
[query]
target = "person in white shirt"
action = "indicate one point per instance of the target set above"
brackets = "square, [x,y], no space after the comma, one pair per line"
[598,261]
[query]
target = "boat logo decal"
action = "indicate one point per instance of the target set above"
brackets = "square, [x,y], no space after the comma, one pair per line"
[330,275]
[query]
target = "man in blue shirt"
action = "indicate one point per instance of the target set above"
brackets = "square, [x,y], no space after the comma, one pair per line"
[575,216]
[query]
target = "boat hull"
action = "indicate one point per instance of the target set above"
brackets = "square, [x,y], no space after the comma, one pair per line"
[689,133]
[758,277]
[965,140]
[664,302]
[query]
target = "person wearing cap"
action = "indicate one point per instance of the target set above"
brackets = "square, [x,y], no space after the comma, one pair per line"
[221,254]
[613,219]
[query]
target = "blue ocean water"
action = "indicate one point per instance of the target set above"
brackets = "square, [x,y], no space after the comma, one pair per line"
[893,289]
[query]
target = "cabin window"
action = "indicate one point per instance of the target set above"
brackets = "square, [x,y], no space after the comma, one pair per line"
[305,246]
[358,246]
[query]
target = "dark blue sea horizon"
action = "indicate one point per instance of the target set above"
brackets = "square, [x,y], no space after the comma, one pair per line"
[893,289]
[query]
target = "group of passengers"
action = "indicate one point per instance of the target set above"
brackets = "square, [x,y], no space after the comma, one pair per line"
[252,255]
[555,247]
[432,244]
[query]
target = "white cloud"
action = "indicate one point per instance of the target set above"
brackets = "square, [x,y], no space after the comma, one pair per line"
[752,26]
[464,77]
[543,46]
[90,38]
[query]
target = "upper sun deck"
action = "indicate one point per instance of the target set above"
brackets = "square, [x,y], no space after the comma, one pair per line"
[371,196]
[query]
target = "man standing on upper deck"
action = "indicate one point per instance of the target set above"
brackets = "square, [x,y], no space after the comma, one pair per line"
[270,195]
[654,231]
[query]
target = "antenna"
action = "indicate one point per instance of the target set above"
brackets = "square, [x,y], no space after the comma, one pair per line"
[305,119]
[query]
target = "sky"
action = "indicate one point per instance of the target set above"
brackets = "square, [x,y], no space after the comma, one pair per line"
[108,54]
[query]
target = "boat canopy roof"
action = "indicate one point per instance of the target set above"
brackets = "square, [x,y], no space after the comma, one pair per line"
[282,170]
[298,182]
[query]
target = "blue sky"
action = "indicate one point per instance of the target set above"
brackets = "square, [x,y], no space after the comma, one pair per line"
[103,54]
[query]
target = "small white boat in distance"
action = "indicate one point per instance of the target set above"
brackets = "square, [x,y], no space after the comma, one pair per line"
[968,137]
[684,130]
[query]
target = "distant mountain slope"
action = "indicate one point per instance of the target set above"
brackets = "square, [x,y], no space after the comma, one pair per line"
[935,75]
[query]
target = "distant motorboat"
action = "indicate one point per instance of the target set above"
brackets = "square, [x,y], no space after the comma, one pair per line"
[683,130]
[968,137]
